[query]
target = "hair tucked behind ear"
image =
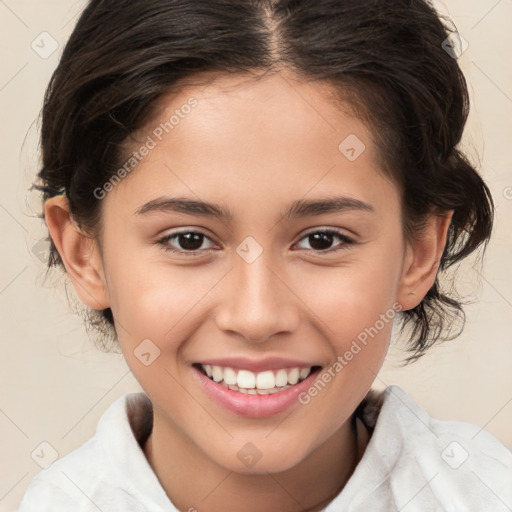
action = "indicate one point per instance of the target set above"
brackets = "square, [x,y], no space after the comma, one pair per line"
[440,316]
[385,57]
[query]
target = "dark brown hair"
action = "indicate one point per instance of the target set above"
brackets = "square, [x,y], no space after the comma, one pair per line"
[386,57]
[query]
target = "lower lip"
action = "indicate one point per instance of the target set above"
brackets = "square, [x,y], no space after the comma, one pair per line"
[254,406]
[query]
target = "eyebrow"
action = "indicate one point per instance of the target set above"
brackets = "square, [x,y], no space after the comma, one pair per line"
[299,208]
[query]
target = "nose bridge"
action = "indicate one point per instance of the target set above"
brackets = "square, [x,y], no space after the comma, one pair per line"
[257,304]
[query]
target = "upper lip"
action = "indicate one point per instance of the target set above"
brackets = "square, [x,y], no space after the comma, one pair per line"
[253,365]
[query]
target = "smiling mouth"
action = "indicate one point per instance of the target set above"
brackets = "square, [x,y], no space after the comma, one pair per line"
[256,383]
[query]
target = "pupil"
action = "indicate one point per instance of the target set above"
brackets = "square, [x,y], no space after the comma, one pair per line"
[190,241]
[318,238]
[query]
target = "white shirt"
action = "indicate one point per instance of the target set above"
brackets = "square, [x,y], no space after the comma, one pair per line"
[413,463]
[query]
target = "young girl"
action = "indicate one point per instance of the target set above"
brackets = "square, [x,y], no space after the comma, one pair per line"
[248,195]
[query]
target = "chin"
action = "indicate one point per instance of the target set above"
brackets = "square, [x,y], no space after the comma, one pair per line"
[260,458]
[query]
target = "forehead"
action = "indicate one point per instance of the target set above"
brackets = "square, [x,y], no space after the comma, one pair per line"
[266,137]
[263,102]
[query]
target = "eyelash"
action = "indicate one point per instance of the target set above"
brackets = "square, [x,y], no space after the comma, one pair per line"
[347,241]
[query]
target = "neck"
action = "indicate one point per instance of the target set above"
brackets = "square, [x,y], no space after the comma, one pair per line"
[310,485]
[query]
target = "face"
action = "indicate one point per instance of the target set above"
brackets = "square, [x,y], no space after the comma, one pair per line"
[275,290]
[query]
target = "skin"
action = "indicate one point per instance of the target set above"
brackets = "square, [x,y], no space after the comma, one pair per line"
[253,147]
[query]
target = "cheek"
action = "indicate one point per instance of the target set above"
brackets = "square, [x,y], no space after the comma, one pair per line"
[163,303]
[349,299]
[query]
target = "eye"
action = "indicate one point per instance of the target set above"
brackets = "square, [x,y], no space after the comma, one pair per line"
[190,242]
[320,240]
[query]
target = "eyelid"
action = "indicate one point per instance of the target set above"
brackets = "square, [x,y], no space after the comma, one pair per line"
[346,239]
[163,240]
[328,229]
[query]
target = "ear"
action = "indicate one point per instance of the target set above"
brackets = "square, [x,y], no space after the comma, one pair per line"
[421,261]
[79,253]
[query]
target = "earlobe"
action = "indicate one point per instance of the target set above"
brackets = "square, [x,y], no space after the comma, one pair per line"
[422,259]
[79,253]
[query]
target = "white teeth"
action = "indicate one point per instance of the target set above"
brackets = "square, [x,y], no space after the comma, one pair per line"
[304,373]
[230,376]
[255,391]
[262,383]
[265,380]
[281,378]
[217,373]
[246,379]
[293,376]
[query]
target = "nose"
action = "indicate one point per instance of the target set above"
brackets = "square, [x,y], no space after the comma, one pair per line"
[257,302]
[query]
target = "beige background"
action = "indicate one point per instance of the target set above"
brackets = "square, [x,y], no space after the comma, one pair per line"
[55,385]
